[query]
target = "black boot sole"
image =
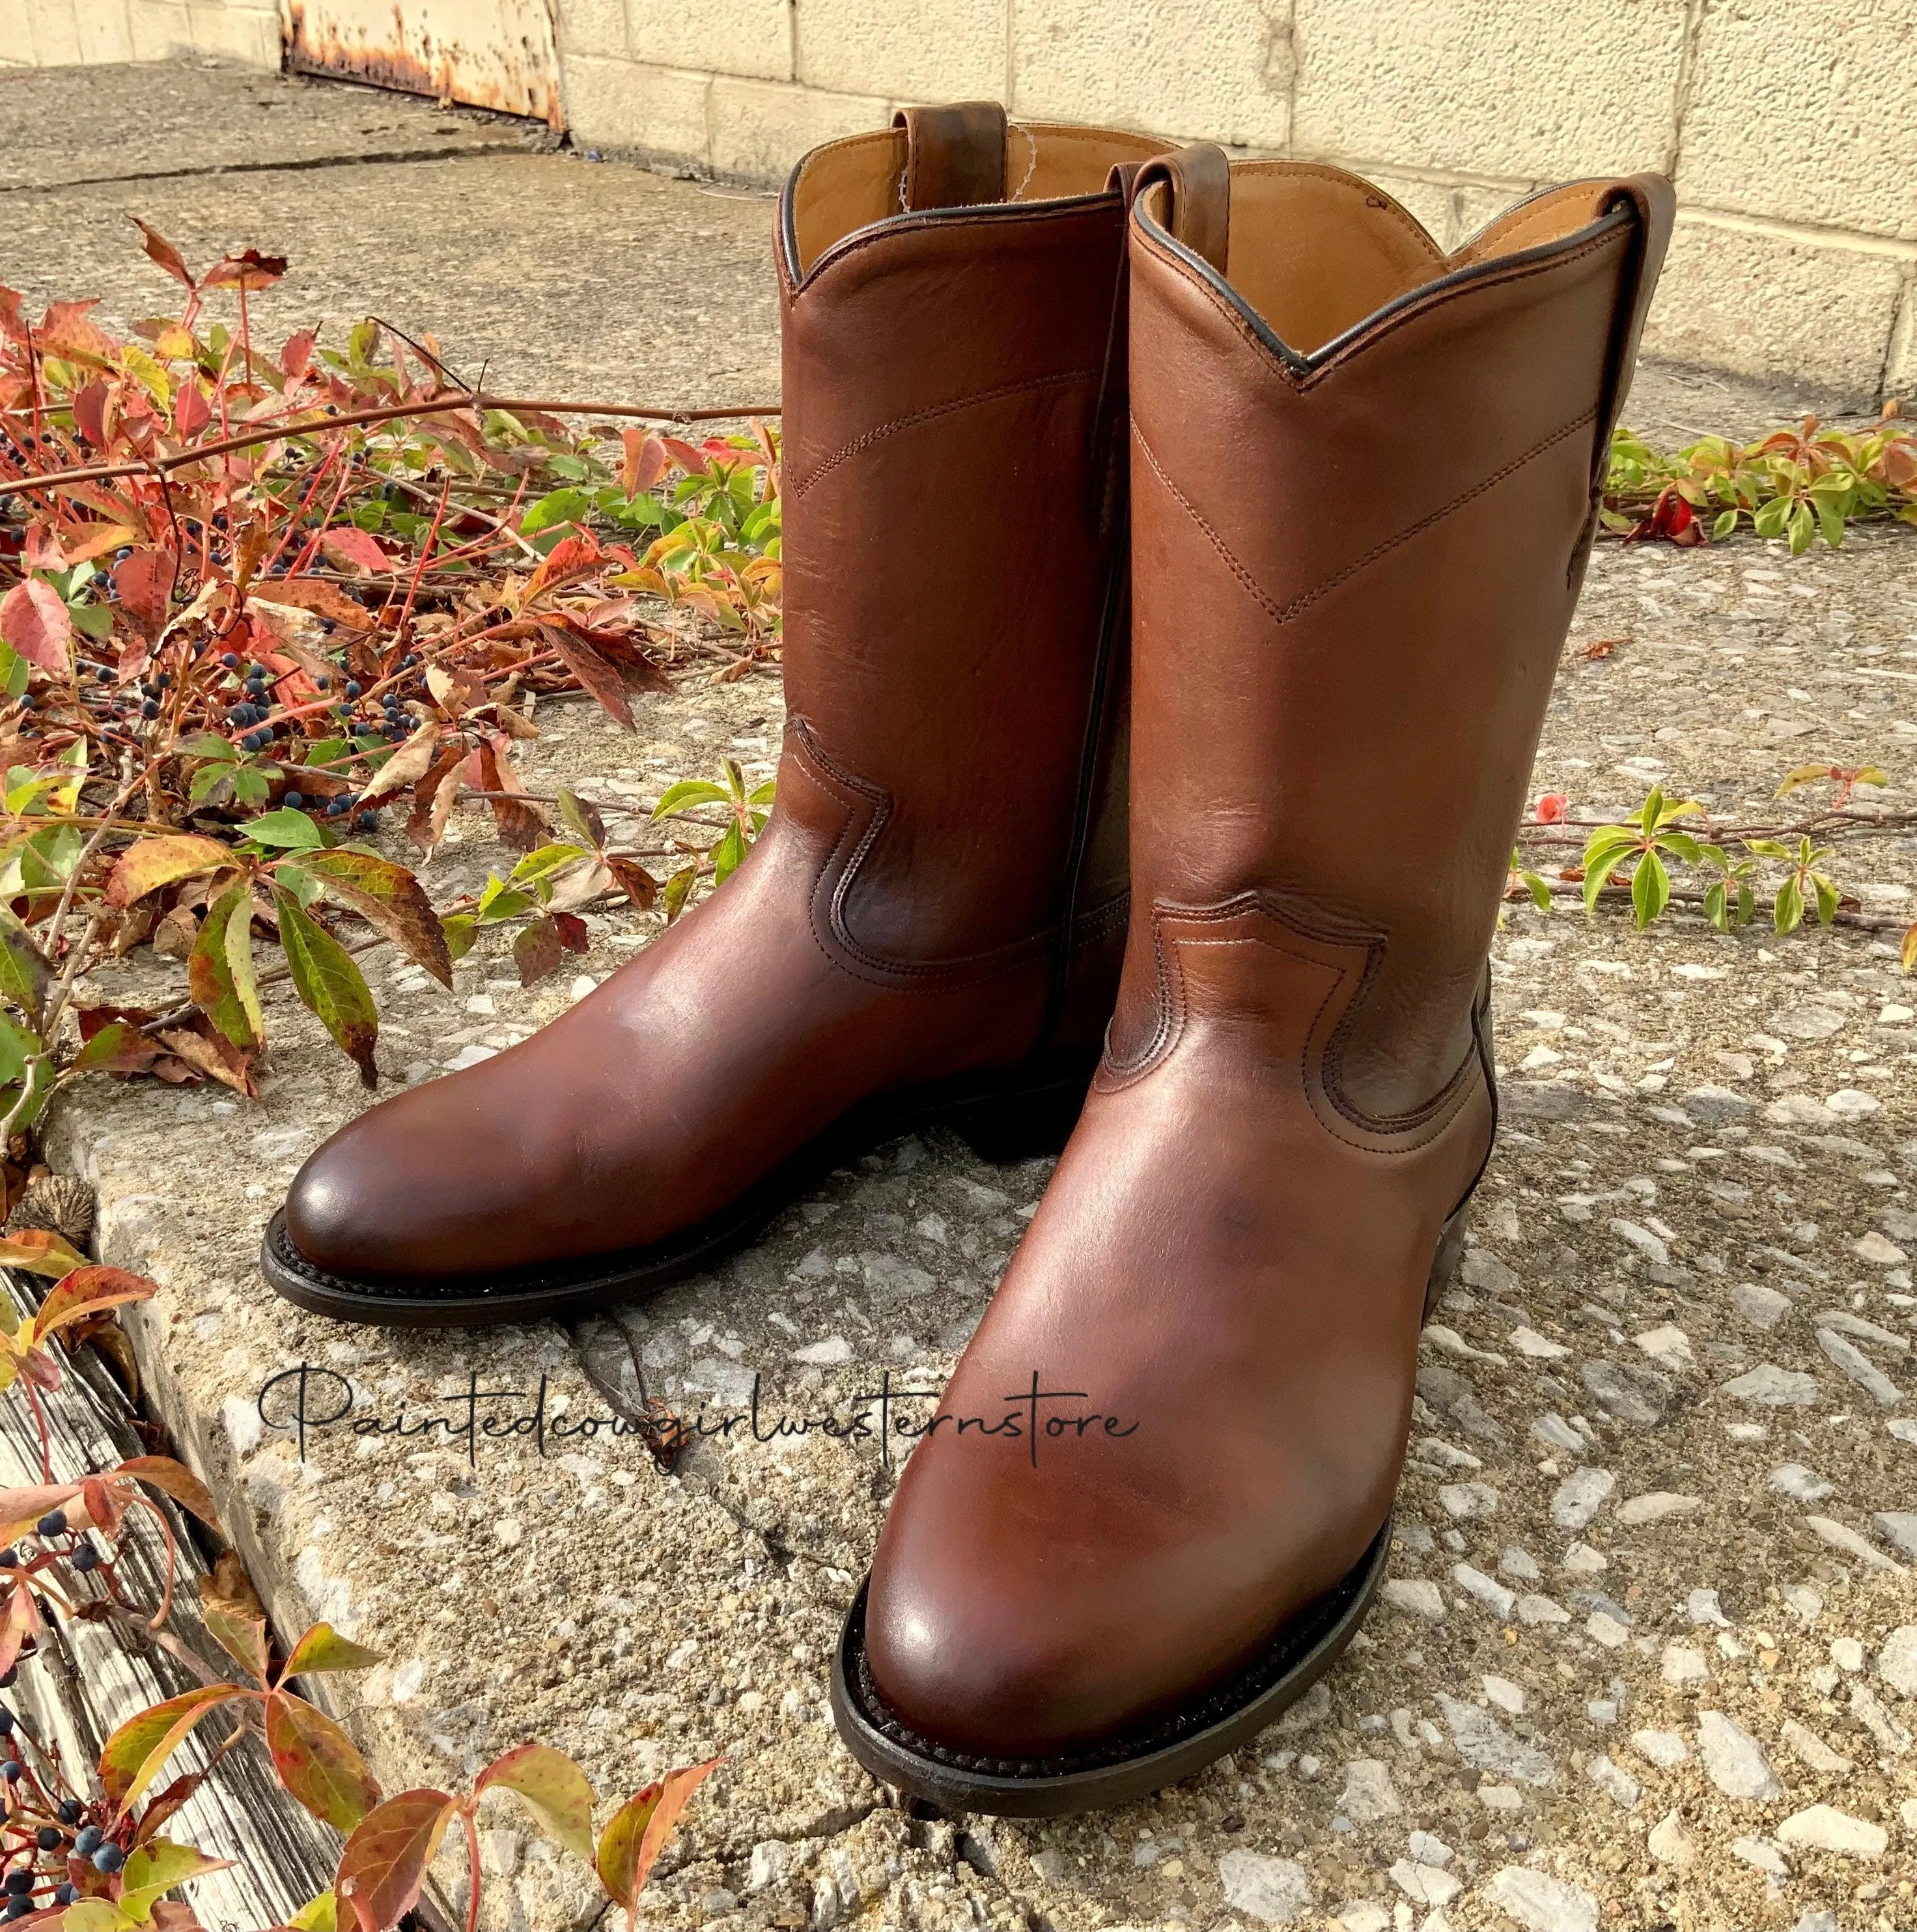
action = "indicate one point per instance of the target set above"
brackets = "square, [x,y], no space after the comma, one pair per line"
[1125,1769]
[1004,1118]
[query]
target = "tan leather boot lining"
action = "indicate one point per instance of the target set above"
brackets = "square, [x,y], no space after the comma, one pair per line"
[849,184]
[1315,250]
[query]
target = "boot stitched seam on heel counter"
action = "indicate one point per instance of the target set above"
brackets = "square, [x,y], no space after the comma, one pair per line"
[1285,612]
[798,486]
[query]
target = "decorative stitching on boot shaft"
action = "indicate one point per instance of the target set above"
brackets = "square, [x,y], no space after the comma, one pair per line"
[1283,614]
[797,487]
[1317,1066]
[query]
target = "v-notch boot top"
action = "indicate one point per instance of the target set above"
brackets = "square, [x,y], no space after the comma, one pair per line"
[930,927]
[1364,486]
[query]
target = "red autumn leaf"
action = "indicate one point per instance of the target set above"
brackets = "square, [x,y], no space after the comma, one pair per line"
[65,329]
[491,769]
[145,582]
[535,951]
[646,461]
[595,676]
[384,1862]
[159,249]
[317,1763]
[692,461]
[355,546]
[192,411]
[1553,808]
[22,1621]
[90,411]
[85,1292]
[633,880]
[249,270]
[43,549]
[572,933]
[638,1832]
[298,352]
[34,622]
[163,1472]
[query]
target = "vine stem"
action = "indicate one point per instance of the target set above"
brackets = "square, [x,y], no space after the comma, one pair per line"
[464,399]
[471,1821]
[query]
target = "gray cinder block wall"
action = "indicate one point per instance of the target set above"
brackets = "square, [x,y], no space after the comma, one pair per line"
[1790,126]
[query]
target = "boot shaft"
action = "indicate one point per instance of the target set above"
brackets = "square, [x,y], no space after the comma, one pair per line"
[1364,487]
[952,560]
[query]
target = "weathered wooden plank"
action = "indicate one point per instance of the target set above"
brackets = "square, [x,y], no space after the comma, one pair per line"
[88,1678]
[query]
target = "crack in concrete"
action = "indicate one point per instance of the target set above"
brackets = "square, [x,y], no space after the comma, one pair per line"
[377,158]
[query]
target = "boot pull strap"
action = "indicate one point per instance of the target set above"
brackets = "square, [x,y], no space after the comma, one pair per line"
[1199,183]
[1650,198]
[955,157]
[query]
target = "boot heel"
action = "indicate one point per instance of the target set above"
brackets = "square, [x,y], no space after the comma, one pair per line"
[1010,1127]
[1450,1252]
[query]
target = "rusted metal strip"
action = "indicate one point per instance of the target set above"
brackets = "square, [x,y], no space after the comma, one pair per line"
[482,53]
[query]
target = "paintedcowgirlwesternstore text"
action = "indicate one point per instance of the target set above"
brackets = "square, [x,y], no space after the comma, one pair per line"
[307,1401]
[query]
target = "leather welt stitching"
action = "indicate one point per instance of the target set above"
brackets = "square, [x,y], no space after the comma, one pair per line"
[1283,614]
[798,488]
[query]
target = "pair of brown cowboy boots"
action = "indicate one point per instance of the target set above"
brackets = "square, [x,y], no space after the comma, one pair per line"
[1177,556]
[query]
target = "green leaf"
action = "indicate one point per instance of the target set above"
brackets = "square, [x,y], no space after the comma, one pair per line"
[323,1648]
[250,786]
[1768,848]
[1803,528]
[637,1833]
[26,976]
[391,899]
[136,1753]
[220,976]
[1596,876]
[206,778]
[1608,838]
[1768,521]
[320,1913]
[565,505]
[553,1789]
[676,889]
[1681,843]
[1715,911]
[156,1868]
[1650,889]
[1725,524]
[291,830]
[460,929]
[1827,898]
[331,986]
[1789,910]
[100,1050]
[541,864]
[728,853]
[688,792]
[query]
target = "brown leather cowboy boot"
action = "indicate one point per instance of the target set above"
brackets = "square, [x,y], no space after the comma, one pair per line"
[1365,482]
[930,928]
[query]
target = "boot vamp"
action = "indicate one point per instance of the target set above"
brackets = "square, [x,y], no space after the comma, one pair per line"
[696,1069]
[1241,1291]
